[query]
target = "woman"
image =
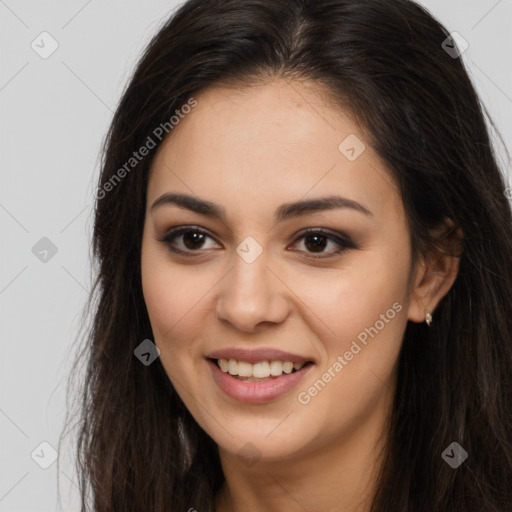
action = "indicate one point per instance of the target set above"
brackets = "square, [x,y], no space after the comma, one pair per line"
[304,295]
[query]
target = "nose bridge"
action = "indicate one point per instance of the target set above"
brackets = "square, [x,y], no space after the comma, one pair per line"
[251,294]
[250,279]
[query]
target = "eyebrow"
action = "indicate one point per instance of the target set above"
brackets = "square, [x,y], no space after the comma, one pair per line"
[284,212]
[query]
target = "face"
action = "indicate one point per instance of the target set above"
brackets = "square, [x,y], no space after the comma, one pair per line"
[251,278]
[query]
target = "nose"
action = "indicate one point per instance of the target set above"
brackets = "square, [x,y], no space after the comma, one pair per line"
[251,295]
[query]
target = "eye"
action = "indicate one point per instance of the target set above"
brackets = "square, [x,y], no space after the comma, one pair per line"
[190,239]
[316,240]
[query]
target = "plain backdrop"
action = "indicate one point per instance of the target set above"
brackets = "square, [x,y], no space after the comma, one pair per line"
[54,114]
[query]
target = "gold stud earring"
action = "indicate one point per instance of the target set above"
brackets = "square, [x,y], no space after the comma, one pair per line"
[428,318]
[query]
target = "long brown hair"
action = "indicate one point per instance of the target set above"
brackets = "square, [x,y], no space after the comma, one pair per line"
[138,448]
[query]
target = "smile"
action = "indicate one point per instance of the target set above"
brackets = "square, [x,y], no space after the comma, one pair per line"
[259,382]
[261,371]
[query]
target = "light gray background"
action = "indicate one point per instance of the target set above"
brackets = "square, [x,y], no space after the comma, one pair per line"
[54,114]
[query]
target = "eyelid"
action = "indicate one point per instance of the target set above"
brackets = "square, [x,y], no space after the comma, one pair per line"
[341,239]
[175,232]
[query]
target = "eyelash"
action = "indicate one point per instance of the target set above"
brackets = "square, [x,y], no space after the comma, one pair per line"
[344,242]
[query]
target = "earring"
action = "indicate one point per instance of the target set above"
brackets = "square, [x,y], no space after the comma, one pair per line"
[428,318]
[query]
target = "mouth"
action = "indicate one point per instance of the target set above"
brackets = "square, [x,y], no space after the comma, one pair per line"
[261,371]
[257,382]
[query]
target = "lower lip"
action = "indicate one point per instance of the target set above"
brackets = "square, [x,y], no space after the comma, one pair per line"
[256,392]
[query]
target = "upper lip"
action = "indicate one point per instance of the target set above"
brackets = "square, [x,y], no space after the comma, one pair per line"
[256,355]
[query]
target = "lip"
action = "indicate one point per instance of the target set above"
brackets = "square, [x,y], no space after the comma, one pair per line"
[256,392]
[254,356]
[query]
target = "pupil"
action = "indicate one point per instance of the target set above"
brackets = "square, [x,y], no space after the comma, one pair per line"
[190,239]
[318,243]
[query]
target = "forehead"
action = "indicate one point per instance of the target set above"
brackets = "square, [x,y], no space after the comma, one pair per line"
[268,144]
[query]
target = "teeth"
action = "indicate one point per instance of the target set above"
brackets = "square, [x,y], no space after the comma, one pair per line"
[223,364]
[244,369]
[287,367]
[232,367]
[261,370]
[276,368]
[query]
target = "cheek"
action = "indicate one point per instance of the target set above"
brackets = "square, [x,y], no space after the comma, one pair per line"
[164,307]
[357,375]
[170,304]
[348,300]
[172,293]
[361,321]
[178,302]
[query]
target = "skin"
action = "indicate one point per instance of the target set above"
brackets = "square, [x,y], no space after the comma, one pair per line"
[250,150]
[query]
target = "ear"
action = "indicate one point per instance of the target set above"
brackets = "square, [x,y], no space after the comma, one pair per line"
[436,272]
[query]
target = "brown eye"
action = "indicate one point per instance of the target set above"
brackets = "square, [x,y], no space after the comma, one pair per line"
[193,239]
[316,241]
[186,239]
